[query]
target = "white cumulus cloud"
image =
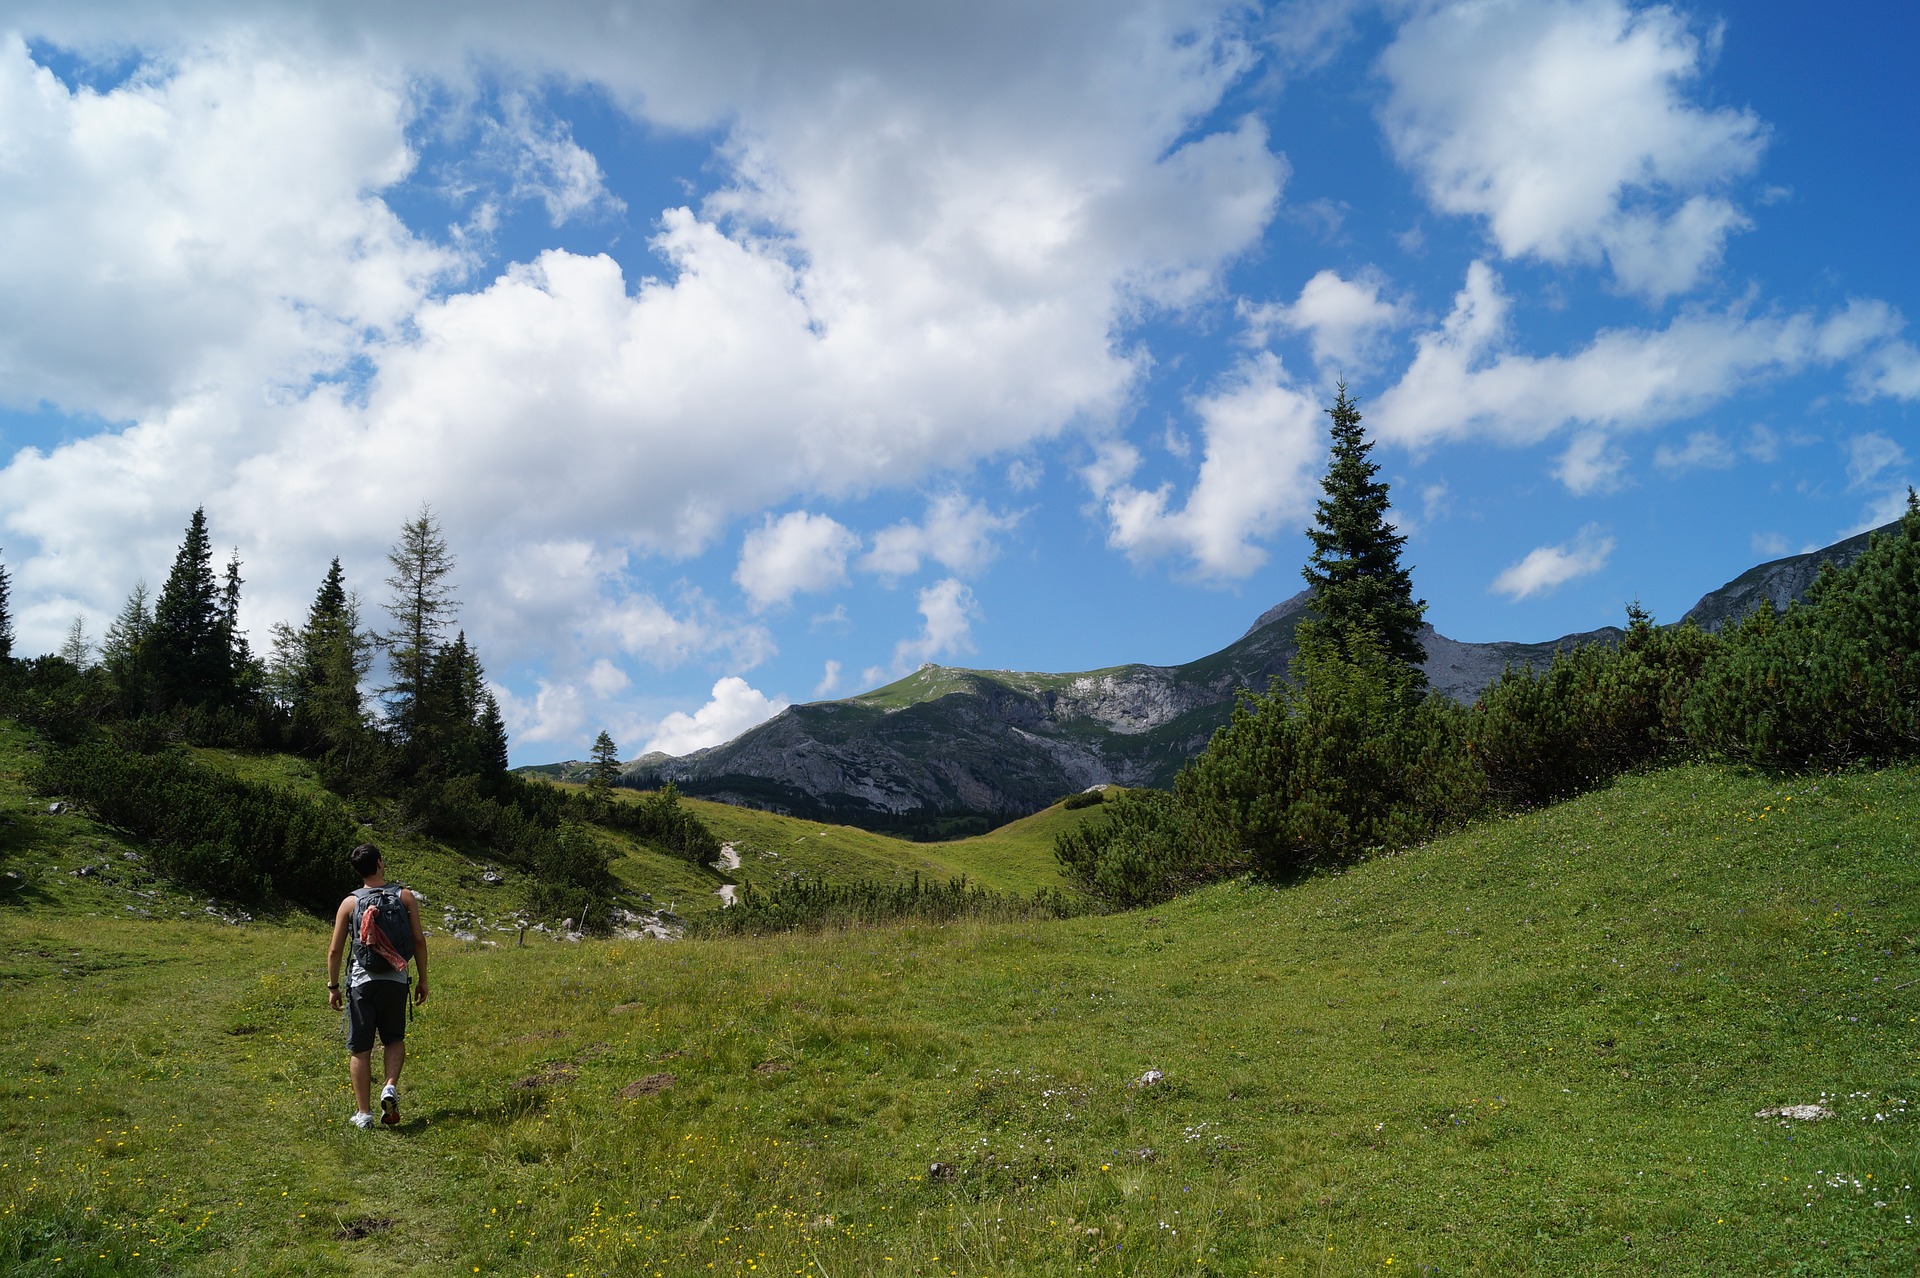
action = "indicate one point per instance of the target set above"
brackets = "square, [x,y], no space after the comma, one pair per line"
[212,221]
[1466,380]
[957,533]
[734,707]
[1591,464]
[798,552]
[1344,320]
[1547,568]
[1263,438]
[1566,125]
[1704,450]
[1870,457]
[947,613]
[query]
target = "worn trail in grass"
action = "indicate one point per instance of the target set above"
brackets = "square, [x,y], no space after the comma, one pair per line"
[1534,1047]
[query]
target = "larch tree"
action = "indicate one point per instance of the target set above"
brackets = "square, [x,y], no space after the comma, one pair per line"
[77,649]
[125,653]
[1362,594]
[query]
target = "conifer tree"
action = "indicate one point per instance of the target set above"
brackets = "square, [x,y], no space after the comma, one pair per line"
[493,740]
[448,723]
[189,641]
[124,652]
[606,766]
[244,675]
[317,670]
[422,606]
[1361,594]
[77,650]
[6,615]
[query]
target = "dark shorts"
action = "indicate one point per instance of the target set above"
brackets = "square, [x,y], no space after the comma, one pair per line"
[376,1005]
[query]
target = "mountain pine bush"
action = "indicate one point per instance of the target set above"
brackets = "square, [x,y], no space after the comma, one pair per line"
[1833,680]
[1145,849]
[1595,712]
[207,829]
[1345,760]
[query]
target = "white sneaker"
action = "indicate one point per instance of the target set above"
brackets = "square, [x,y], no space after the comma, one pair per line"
[389,1104]
[363,1120]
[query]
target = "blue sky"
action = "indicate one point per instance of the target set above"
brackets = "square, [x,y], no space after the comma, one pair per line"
[751,353]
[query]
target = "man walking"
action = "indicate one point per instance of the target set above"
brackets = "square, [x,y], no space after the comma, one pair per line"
[383,922]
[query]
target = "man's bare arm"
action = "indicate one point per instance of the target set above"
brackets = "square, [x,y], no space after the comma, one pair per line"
[342,923]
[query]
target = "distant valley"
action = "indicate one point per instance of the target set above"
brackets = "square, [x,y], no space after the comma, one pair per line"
[947,751]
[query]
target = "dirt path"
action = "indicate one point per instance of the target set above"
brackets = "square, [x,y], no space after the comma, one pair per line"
[729,861]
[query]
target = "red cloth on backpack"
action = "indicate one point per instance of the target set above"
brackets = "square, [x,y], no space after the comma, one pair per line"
[374,937]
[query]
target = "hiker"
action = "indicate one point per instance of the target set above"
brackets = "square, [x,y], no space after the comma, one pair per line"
[383,921]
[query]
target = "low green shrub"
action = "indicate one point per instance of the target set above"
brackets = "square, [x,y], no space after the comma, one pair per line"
[55,697]
[1348,759]
[1598,710]
[570,876]
[206,829]
[658,818]
[1083,799]
[1146,849]
[1832,681]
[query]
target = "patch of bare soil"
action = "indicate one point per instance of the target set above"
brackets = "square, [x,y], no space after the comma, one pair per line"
[363,1227]
[651,1085]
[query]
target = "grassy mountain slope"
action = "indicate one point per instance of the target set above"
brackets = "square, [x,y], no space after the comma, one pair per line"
[1017,857]
[1537,1046]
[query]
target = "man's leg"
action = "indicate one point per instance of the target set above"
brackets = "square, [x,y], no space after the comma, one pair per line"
[360,1067]
[396,1056]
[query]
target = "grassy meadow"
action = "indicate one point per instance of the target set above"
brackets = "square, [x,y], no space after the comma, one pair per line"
[1536,1046]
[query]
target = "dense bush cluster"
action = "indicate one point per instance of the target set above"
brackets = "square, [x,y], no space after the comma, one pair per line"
[1353,756]
[233,837]
[1595,712]
[660,819]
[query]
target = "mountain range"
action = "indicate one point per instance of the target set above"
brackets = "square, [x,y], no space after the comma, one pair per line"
[948,751]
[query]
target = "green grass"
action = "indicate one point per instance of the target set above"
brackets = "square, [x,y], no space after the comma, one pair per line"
[1533,1047]
[1017,857]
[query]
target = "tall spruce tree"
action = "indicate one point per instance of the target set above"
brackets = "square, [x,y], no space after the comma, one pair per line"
[1361,593]
[493,742]
[189,643]
[606,766]
[6,615]
[448,723]
[244,675]
[422,607]
[317,670]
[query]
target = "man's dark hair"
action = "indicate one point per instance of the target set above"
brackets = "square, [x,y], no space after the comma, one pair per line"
[365,858]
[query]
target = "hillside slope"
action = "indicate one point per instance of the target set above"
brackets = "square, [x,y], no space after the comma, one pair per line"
[1538,1046]
[946,751]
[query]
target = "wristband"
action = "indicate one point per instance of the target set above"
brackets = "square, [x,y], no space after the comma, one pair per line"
[333,985]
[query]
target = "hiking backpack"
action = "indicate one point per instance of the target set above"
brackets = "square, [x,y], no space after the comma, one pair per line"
[382,929]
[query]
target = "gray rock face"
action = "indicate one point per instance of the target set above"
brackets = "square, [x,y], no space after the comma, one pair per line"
[948,751]
[1776,584]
